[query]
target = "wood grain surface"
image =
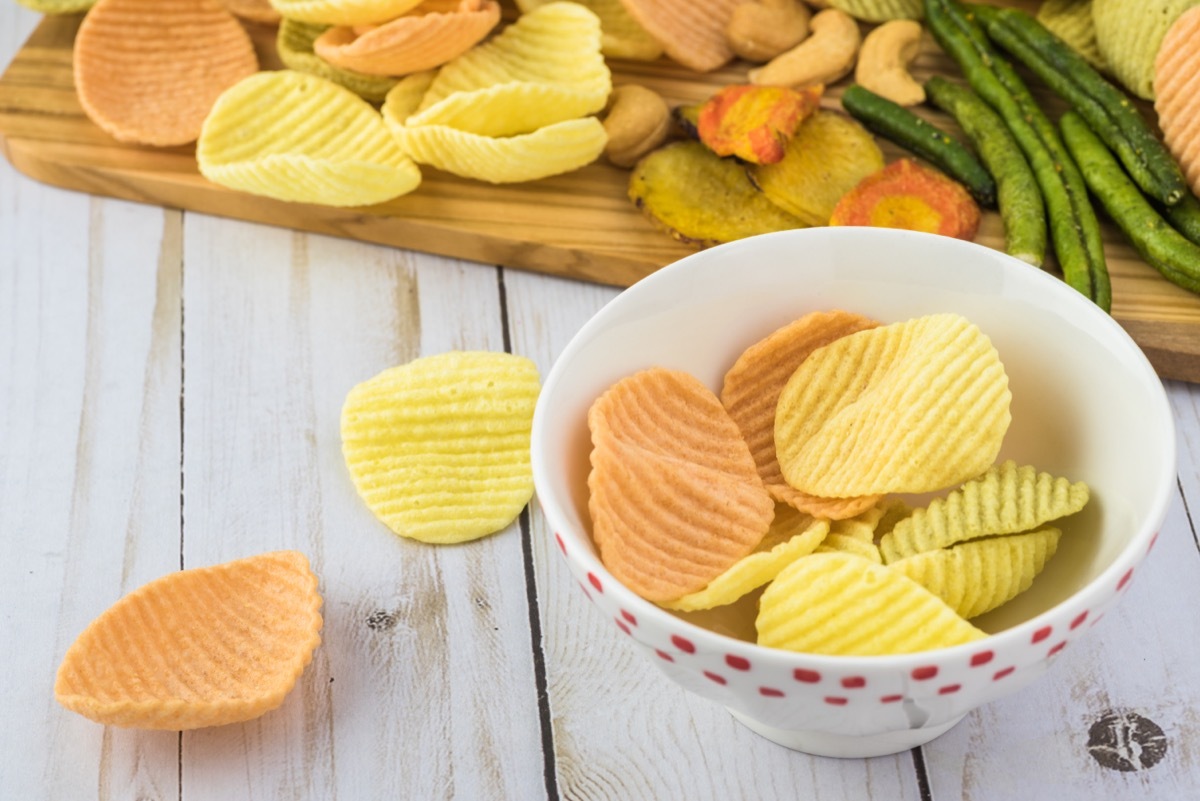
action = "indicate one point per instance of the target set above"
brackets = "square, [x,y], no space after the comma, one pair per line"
[578,225]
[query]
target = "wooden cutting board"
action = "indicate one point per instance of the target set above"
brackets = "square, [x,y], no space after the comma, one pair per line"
[578,225]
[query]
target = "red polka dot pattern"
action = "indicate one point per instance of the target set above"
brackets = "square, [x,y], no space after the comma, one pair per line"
[949,689]
[737,662]
[982,658]
[664,655]
[924,673]
[594,580]
[714,677]
[1002,673]
[854,682]
[621,625]
[1056,649]
[1041,634]
[807,676]
[1125,579]
[629,618]
[891,699]
[683,644]
[833,700]
[562,546]
[1078,621]
[770,692]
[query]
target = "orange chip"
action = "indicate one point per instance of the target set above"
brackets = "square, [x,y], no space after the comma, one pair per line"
[1177,89]
[755,123]
[751,393]
[692,32]
[426,37]
[149,71]
[675,498]
[200,647]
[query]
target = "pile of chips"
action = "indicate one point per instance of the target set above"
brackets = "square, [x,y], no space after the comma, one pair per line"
[790,479]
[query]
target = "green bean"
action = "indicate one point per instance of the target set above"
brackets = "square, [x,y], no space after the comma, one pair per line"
[1163,248]
[1184,217]
[1017,193]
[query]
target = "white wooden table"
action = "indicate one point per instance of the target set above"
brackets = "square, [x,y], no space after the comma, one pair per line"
[170,386]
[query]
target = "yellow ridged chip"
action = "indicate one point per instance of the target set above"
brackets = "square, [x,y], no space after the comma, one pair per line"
[1007,499]
[912,407]
[1071,21]
[792,535]
[294,43]
[856,535]
[544,68]
[553,149]
[880,10]
[439,447]
[751,392]
[839,604]
[343,12]
[293,136]
[201,647]
[621,35]
[1129,34]
[978,576]
[849,544]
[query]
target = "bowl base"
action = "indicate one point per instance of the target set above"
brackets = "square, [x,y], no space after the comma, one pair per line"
[825,744]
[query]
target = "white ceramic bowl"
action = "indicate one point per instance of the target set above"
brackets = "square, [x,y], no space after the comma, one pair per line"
[1086,405]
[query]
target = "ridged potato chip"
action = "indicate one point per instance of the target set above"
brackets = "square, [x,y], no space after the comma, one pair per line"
[426,37]
[792,535]
[675,500]
[692,32]
[201,647]
[839,604]
[880,10]
[343,12]
[551,150]
[751,390]
[544,68]
[149,71]
[978,576]
[913,407]
[294,43]
[621,36]
[851,545]
[1007,499]
[438,448]
[1129,34]
[1071,21]
[293,136]
[856,535]
[1177,83]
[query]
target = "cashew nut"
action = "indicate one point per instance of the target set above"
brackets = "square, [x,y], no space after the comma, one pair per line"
[884,58]
[762,29]
[824,57]
[638,121]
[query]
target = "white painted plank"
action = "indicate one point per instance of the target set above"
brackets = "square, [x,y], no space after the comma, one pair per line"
[424,685]
[622,729]
[89,461]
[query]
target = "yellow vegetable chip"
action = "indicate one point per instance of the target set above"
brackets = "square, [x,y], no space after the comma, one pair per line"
[294,42]
[621,35]
[851,545]
[293,136]
[556,148]
[978,576]
[880,10]
[201,647]
[792,535]
[839,604]
[343,12]
[439,447]
[909,407]
[1129,34]
[1071,21]
[856,535]
[1005,500]
[544,68]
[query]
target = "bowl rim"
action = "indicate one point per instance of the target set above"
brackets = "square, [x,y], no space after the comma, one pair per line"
[1112,576]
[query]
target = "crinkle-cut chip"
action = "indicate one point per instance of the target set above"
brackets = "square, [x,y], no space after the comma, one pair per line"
[880,10]
[978,576]
[343,12]
[200,647]
[621,36]
[915,406]
[675,500]
[149,71]
[1007,499]
[294,42]
[426,37]
[862,526]
[841,604]
[1129,34]
[293,136]
[751,390]
[544,68]
[852,545]
[700,198]
[692,32]
[894,510]
[1177,84]
[260,11]
[438,448]
[58,6]
[1071,21]
[792,535]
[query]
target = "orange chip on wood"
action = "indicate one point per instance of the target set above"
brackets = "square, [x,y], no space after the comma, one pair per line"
[692,32]
[675,498]
[149,71]
[200,647]
[906,194]
[755,123]
[426,37]
[1177,93]
[751,393]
